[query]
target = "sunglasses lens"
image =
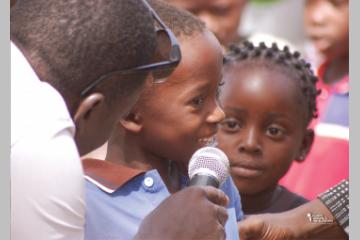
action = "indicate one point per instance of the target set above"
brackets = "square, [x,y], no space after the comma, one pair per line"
[160,75]
[163,49]
[163,53]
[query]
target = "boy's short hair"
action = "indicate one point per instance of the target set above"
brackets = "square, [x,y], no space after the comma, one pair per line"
[81,40]
[181,22]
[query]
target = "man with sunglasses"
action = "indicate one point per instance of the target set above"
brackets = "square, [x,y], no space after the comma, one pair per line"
[78,64]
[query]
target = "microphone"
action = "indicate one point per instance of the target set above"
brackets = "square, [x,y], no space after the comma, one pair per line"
[208,166]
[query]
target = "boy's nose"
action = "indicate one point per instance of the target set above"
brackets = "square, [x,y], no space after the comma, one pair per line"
[250,142]
[217,115]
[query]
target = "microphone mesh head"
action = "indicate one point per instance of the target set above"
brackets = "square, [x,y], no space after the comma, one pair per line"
[211,161]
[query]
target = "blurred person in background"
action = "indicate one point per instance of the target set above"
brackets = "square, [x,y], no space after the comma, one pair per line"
[222,17]
[327,26]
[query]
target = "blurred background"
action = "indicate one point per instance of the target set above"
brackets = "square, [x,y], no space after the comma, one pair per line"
[280,18]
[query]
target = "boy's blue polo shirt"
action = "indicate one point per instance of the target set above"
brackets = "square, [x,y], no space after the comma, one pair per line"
[118,198]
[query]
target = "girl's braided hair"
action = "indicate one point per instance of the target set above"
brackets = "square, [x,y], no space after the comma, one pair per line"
[273,57]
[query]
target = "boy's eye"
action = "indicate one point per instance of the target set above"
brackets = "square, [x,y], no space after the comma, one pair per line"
[230,125]
[275,132]
[198,101]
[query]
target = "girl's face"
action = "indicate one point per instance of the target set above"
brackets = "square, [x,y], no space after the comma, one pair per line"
[264,129]
[182,114]
[327,25]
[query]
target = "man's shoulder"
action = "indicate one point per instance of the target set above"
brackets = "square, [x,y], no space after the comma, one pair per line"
[35,105]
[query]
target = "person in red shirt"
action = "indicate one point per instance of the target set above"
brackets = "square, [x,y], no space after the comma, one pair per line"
[327,26]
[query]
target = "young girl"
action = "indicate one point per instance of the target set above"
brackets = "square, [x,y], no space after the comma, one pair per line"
[149,150]
[327,26]
[269,99]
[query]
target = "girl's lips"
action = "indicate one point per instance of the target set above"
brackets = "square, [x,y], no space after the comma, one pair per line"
[246,171]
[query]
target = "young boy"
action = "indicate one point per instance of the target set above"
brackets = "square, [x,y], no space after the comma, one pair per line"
[327,25]
[269,99]
[151,147]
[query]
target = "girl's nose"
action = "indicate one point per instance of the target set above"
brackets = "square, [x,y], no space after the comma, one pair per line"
[250,142]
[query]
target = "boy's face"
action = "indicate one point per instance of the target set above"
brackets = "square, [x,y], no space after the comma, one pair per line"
[327,25]
[222,17]
[181,114]
[264,126]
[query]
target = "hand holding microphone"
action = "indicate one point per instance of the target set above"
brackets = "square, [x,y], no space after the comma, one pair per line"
[197,212]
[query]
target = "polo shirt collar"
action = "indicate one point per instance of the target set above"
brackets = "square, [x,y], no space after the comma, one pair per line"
[108,176]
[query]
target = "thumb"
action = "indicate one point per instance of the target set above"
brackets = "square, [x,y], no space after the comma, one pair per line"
[251,228]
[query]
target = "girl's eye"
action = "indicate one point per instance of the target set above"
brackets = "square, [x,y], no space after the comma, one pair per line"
[218,91]
[230,125]
[276,132]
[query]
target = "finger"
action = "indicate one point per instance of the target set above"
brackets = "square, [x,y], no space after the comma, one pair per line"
[250,228]
[222,232]
[216,196]
[221,214]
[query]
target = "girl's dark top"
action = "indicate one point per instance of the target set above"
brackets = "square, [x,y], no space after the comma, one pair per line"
[282,200]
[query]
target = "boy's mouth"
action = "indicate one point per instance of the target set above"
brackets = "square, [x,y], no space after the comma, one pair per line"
[208,141]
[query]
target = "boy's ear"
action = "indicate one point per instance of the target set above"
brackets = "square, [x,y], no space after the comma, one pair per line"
[88,107]
[132,122]
[305,146]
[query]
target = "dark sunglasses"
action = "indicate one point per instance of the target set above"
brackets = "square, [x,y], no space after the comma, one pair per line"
[167,56]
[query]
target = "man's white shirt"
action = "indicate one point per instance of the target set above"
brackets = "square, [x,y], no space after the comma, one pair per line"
[47,183]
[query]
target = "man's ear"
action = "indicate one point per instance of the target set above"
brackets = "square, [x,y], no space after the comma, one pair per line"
[132,122]
[88,106]
[305,146]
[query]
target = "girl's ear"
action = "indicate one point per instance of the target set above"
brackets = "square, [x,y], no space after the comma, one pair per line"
[132,122]
[305,146]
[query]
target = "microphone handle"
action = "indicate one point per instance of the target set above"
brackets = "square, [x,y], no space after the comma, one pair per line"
[204,180]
